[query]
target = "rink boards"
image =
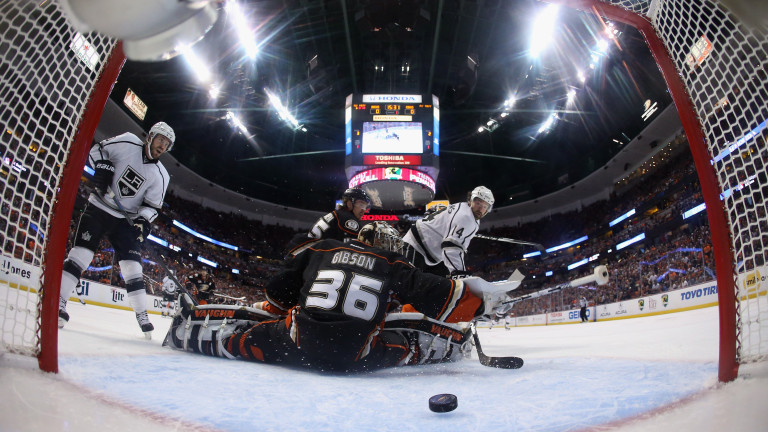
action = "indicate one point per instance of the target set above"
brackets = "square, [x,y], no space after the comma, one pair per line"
[694,297]
[17,274]
[25,277]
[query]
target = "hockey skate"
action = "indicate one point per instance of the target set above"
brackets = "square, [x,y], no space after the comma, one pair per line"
[63,315]
[63,318]
[146,326]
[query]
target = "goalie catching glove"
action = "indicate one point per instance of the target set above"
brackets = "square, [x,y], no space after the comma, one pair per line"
[142,227]
[104,170]
[493,295]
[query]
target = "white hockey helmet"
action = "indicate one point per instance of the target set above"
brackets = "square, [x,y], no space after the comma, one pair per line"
[381,235]
[162,128]
[484,194]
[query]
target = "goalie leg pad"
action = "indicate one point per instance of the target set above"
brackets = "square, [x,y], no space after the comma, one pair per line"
[205,329]
[430,341]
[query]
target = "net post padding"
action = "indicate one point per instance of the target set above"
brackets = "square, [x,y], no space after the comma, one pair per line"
[63,207]
[716,213]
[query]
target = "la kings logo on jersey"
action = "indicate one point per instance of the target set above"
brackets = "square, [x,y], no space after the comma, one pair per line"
[130,182]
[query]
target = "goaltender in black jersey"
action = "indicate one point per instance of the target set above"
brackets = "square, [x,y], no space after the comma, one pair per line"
[330,305]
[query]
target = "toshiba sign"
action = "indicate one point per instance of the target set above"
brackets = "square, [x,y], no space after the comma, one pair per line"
[392,160]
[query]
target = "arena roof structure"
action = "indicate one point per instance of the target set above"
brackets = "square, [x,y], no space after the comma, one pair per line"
[533,98]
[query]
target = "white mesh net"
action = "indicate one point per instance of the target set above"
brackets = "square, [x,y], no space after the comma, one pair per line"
[723,64]
[47,74]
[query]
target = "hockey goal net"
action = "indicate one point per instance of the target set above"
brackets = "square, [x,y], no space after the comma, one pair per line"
[716,65]
[54,83]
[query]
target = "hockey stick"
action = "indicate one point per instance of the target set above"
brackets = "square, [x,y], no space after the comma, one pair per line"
[538,246]
[229,297]
[600,276]
[510,362]
[162,259]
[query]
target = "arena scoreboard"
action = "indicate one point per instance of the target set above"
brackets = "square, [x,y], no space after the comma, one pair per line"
[392,148]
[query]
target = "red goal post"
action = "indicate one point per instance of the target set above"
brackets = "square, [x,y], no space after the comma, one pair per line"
[54,84]
[715,66]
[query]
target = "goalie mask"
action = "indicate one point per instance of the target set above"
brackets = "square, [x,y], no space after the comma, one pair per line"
[381,235]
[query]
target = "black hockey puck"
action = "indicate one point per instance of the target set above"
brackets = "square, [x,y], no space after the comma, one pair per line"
[443,402]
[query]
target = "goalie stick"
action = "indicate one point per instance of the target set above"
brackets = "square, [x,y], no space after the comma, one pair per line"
[538,246]
[162,259]
[510,362]
[600,277]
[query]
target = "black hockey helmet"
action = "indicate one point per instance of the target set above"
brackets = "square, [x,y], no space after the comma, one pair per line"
[354,194]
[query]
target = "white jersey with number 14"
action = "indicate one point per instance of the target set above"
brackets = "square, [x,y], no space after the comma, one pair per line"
[445,235]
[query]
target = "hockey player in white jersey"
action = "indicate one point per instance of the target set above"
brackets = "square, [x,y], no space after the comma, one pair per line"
[440,240]
[130,168]
[169,296]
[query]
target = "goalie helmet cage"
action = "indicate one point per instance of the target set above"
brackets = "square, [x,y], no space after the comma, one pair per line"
[54,85]
[714,66]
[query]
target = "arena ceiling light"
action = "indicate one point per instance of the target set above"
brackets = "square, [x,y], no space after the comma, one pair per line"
[199,67]
[237,123]
[571,95]
[543,30]
[282,111]
[244,32]
[214,91]
[547,125]
[151,30]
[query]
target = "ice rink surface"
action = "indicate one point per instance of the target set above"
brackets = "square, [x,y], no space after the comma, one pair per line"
[657,373]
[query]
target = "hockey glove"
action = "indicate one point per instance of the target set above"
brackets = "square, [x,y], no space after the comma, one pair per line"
[104,170]
[142,227]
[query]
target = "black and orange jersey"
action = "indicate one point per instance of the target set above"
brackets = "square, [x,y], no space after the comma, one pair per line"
[338,294]
[200,286]
[339,224]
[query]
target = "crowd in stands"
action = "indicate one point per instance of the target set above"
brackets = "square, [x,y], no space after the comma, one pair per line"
[676,252]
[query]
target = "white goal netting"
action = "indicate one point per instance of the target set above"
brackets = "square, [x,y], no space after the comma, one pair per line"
[720,58]
[47,75]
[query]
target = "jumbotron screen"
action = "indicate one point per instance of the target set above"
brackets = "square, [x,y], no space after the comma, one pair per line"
[392,145]
[392,138]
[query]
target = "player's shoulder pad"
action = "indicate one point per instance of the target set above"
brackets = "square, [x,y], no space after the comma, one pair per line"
[125,138]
